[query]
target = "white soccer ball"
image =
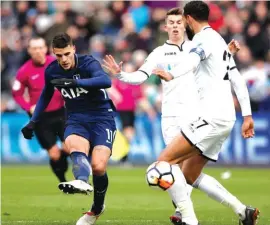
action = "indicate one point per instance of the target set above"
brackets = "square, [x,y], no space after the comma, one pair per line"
[159,175]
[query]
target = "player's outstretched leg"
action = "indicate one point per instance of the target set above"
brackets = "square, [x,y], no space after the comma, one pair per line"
[79,148]
[81,171]
[215,190]
[209,185]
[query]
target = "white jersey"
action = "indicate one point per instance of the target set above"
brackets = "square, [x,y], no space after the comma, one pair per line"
[212,75]
[180,96]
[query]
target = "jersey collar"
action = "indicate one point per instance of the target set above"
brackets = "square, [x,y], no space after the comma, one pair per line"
[206,27]
[179,47]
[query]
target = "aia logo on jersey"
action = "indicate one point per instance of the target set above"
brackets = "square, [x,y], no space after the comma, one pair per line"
[76,76]
[73,92]
[170,53]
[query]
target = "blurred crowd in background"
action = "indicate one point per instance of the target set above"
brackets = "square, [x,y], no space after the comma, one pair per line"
[130,31]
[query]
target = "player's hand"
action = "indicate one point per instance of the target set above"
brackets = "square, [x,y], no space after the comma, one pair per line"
[111,65]
[63,82]
[28,130]
[162,74]
[234,46]
[248,127]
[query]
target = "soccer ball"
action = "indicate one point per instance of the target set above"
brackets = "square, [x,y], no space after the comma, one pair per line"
[159,175]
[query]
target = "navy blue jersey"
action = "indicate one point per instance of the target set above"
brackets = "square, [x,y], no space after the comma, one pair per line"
[88,99]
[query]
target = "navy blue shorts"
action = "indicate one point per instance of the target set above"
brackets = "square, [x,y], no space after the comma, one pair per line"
[100,132]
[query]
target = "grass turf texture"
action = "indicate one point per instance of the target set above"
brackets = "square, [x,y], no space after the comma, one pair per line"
[30,196]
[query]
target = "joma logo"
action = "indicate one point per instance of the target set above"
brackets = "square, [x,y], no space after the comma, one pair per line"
[170,53]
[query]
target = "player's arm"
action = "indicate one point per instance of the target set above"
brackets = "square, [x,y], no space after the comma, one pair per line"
[18,89]
[198,54]
[98,78]
[137,77]
[190,63]
[241,91]
[42,104]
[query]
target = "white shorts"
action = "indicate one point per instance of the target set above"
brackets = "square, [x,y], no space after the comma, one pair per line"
[208,135]
[171,127]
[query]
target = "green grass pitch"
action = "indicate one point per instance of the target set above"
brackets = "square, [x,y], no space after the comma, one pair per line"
[30,196]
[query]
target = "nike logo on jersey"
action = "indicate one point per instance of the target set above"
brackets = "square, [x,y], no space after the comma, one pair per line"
[67,83]
[34,76]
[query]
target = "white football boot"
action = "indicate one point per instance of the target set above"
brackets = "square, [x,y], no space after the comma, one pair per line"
[75,186]
[89,218]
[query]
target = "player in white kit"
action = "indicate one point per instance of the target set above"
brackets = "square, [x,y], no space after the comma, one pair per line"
[179,96]
[202,139]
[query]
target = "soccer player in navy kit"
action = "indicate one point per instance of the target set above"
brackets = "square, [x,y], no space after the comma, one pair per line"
[90,126]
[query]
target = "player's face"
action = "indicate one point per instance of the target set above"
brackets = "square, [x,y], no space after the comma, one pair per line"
[175,27]
[65,56]
[37,49]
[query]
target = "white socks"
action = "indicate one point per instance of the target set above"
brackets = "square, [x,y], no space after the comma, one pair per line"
[216,191]
[189,190]
[179,194]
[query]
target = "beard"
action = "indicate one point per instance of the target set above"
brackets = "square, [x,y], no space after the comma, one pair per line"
[190,33]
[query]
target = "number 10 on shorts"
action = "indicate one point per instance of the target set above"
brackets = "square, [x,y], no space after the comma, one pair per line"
[110,135]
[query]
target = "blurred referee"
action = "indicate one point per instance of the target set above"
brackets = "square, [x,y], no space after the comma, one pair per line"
[51,125]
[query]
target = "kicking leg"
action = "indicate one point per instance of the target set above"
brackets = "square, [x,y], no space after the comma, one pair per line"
[79,149]
[177,151]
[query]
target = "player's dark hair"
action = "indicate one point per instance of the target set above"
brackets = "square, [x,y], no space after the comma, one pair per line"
[198,10]
[61,40]
[174,11]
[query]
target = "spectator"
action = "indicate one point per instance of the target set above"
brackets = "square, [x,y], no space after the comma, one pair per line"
[257,77]
[140,14]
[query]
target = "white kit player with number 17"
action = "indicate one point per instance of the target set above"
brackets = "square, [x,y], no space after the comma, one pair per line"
[202,139]
[180,95]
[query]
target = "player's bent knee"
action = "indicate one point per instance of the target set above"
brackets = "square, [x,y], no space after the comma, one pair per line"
[190,176]
[99,168]
[75,143]
[100,158]
[54,153]
[166,159]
